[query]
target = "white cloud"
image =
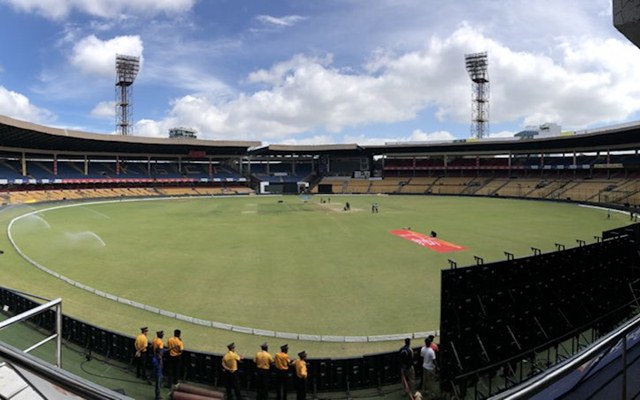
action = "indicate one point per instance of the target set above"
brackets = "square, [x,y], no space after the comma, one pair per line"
[285,21]
[148,127]
[94,56]
[104,109]
[308,141]
[17,105]
[588,81]
[186,77]
[502,134]
[59,9]
[419,135]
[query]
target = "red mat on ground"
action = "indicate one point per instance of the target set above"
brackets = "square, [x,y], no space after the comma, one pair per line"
[432,243]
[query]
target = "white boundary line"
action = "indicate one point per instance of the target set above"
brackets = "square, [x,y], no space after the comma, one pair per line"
[604,209]
[186,318]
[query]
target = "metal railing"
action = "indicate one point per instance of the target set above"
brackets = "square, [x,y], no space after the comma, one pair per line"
[53,373]
[555,374]
[57,334]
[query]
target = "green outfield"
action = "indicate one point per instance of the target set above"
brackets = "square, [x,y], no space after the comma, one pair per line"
[288,264]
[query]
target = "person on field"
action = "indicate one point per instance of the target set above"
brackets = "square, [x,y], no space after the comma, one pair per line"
[282,362]
[140,356]
[263,362]
[230,371]
[428,369]
[301,376]
[175,347]
[407,372]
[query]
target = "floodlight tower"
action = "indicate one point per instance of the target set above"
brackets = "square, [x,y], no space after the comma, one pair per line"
[127,68]
[477,64]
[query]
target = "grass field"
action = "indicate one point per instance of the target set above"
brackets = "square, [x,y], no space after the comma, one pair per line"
[278,263]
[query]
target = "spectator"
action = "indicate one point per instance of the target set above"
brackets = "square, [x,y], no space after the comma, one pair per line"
[407,372]
[157,370]
[428,369]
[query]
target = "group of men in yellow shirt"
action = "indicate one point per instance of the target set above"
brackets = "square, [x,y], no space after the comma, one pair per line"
[172,355]
[263,361]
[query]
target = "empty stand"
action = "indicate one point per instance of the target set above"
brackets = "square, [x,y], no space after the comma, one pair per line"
[497,315]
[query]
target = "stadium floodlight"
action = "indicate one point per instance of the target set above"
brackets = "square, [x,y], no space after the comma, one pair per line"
[127,68]
[477,66]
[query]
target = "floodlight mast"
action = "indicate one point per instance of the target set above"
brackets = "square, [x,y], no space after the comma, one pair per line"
[127,68]
[477,64]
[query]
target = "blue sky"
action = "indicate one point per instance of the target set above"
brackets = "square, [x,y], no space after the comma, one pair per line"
[311,72]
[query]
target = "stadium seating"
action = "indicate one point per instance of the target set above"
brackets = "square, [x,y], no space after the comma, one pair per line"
[387,185]
[501,313]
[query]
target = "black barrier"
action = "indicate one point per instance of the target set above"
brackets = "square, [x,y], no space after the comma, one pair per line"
[327,374]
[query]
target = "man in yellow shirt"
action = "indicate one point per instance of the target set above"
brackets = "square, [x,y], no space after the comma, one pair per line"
[140,356]
[157,342]
[230,371]
[301,376]
[263,362]
[174,359]
[282,372]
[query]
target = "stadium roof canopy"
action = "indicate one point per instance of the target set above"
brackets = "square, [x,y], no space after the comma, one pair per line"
[20,136]
[28,137]
[623,137]
[308,150]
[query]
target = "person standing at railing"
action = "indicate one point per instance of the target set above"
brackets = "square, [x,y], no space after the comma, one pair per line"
[157,346]
[263,362]
[407,372]
[157,370]
[157,342]
[428,369]
[230,370]
[282,372]
[140,357]
[301,376]
[175,347]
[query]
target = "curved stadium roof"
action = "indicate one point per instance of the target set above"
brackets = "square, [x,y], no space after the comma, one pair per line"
[16,135]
